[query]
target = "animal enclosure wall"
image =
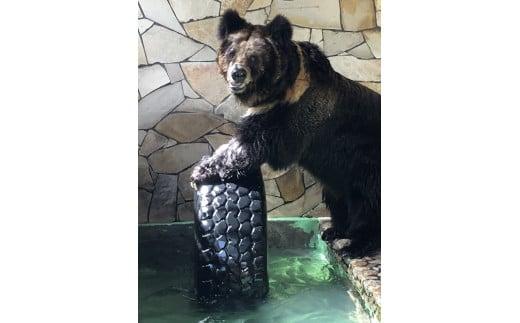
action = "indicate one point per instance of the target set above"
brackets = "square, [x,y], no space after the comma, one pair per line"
[186,111]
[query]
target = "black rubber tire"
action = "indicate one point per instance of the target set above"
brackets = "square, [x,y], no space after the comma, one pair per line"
[231,240]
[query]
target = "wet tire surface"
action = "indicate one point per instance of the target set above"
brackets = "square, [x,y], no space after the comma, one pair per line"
[231,240]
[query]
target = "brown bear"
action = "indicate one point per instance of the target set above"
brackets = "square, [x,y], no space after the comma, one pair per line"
[301,112]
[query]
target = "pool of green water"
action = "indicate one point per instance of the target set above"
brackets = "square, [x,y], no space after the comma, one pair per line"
[305,286]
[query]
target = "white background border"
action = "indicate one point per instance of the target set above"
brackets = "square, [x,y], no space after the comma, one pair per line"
[451,162]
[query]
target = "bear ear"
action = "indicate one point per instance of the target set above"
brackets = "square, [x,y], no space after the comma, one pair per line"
[280,29]
[230,23]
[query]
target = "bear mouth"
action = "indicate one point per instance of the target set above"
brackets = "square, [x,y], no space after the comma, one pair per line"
[238,88]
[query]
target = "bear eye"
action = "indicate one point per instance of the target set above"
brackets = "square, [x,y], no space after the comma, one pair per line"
[253,59]
[231,52]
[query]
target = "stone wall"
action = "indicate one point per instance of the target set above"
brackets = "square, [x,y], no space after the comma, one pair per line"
[185,110]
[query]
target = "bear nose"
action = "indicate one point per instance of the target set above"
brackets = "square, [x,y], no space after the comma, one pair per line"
[238,75]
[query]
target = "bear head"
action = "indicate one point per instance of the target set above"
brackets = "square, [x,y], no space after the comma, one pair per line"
[258,62]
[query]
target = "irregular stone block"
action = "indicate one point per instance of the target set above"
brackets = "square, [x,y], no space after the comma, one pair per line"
[269,173]
[195,9]
[185,212]
[151,78]
[188,91]
[308,13]
[141,135]
[186,127]
[373,38]
[178,158]
[301,34]
[317,37]
[160,11]
[294,208]
[271,188]
[357,14]
[185,184]
[239,5]
[362,51]
[141,56]
[163,207]
[308,179]
[228,128]
[204,31]
[206,80]
[152,142]
[217,140]
[257,4]
[273,202]
[257,17]
[291,184]
[174,72]
[143,173]
[143,202]
[206,54]
[357,69]
[165,46]
[335,42]
[231,109]
[158,104]
[143,25]
[195,105]
[312,197]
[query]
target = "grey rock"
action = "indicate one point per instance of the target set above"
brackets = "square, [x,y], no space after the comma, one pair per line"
[174,72]
[158,104]
[367,70]
[269,173]
[151,78]
[362,51]
[143,25]
[143,203]
[186,212]
[186,127]
[256,17]
[195,105]
[257,4]
[271,188]
[231,109]
[228,128]
[160,11]
[294,208]
[141,134]
[178,158]
[152,142]
[163,207]
[308,179]
[141,56]
[185,184]
[206,54]
[216,140]
[357,14]
[308,13]
[195,10]
[188,91]
[312,197]
[144,178]
[373,38]
[291,184]
[273,202]
[165,46]
[335,42]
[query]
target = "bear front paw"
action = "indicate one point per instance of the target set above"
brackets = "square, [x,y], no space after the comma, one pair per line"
[204,172]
